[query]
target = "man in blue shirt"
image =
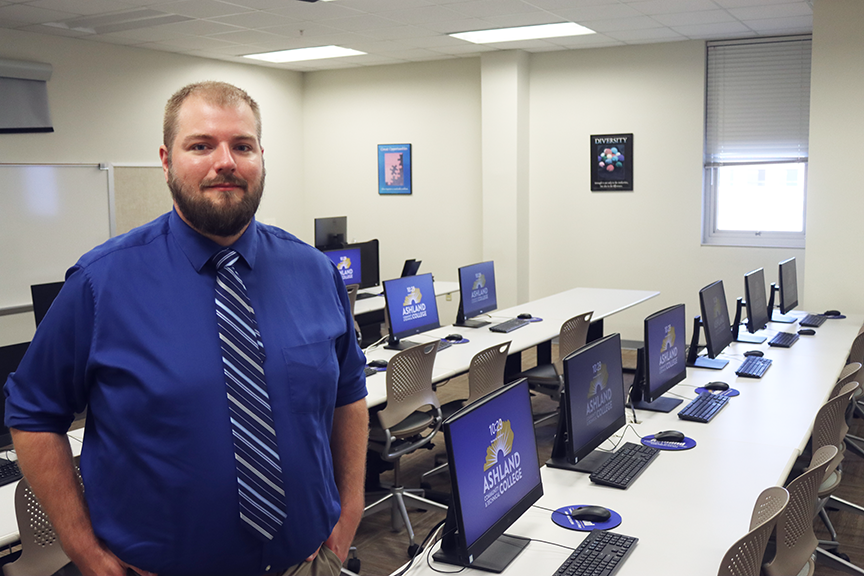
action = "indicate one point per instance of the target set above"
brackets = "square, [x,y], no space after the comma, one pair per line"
[133,336]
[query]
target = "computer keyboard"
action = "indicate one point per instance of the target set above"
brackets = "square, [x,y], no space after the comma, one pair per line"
[624,466]
[444,344]
[704,407]
[812,320]
[365,295]
[509,325]
[753,367]
[369,371]
[9,472]
[600,553]
[783,339]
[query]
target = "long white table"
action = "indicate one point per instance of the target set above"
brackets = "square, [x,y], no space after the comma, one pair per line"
[689,507]
[554,310]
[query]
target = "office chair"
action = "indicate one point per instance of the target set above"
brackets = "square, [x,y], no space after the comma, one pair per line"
[485,374]
[796,542]
[850,373]
[744,557]
[402,428]
[352,298]
[40,547]
[549,378]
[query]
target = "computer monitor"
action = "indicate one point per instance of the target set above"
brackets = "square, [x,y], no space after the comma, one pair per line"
[592,405]
[349,263]
[43,295]
[331,232]
[715,322]
[410,267]
[10,358]
[661,362]
[758,314]
[495,475]
[788,286]
[411,308]
[476,293]
[364,264]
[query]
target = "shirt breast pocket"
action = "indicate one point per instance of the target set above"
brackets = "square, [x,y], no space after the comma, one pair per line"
[313,375]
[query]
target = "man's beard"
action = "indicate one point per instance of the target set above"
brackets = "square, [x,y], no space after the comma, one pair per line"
[206,216]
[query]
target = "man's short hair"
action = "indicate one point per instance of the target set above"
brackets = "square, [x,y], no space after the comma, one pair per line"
[217,93]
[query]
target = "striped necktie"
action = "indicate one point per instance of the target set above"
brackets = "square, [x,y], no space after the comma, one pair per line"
[259,471]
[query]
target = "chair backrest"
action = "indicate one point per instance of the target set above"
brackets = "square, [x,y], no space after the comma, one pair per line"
[409,383]
[744,557]
[486,372]
[848,374]
[573,335]
[352,295]
[828,426]
[796,540]
[856,352]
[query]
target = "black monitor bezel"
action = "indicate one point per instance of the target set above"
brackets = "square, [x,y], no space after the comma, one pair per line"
[650,394]
[453,544]
[369,265]
[43,296]
[10,358]
[711,341]
[328,228]
[394,337]
[757,319]
[577,453]
[786,291]
[410,267]
[462,316]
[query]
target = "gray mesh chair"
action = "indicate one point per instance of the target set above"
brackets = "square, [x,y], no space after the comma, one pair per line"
[485,374]
[549,378]
[744,557]
[403,428]
[40,547]
[796,542]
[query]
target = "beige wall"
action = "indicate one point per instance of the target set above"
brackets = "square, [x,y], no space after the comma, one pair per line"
[835,198]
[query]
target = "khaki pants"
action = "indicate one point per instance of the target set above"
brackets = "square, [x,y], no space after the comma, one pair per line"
[325,564]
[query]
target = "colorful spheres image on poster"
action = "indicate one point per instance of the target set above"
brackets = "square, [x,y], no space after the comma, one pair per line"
[611,159]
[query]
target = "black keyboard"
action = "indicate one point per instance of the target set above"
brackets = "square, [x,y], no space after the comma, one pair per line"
[9,472]
[365,295]
[509,325]
[783,339]
[812,320]
[704,407]
[370,371]
[624,466]
[753,367]
[600,553]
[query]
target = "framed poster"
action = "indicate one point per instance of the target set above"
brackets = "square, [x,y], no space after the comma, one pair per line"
[612,162]
[394,169]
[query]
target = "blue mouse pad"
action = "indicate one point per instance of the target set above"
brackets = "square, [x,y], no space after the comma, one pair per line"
[462,341]
[685,444]
[562,518]
[535,319]
[730,392]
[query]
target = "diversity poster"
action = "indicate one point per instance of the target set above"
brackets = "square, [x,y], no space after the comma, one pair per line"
[611,162]
[394,168]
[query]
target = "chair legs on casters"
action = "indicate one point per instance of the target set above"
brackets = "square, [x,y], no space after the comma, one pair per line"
[828,552]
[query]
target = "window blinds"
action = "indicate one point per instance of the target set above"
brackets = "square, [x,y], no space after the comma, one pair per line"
[24,97]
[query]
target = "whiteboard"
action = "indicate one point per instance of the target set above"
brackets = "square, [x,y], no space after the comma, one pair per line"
[49,216]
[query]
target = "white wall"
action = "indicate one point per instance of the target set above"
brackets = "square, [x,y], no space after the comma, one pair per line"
[106,105]
[835,203]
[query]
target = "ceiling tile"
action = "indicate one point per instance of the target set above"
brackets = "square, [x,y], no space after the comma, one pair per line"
[714,31]
[803,24]
[81,7]
[772,11]
[652,7]
[200,8]
[646,35]
[254,20]
[635,23]
[33,15]
[690,18]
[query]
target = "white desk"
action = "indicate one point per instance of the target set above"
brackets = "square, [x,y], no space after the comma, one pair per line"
[553,309]
[749,446]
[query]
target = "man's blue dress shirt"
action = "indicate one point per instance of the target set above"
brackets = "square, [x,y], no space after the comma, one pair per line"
[133,337]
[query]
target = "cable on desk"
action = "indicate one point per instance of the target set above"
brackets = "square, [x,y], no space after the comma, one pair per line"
[429,552]
[375,344]
[422,547]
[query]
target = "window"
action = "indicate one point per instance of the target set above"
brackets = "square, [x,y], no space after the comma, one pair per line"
[757,118]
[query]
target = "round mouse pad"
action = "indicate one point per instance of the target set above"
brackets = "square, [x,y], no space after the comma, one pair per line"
[685,444]
[462,341]
[562,518]
[731,392]
[535,319]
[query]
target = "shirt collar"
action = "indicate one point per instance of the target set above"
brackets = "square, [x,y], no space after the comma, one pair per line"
[199,249]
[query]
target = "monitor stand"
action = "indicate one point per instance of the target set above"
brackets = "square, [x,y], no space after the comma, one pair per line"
[495,558]
[740,336]
[588,464]
[472,323]
[776,316]
[709,363]
[661,404]
[696,361]
[397,344]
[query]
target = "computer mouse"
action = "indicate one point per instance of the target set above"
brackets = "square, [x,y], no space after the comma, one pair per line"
[669,436]
[525,316]
[454,337]
[831,313]
[378,364]
[806,332]
[591,514]
[754,353]
[716,386]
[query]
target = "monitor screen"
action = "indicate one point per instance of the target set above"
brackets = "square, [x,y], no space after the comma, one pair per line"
[331,232]
[476,291]
[349,263]
[495,474]
[411,306]
[715,318]
[43,296]
[665,357]
[758,315]
[592,404]
[10,358]
[788,286]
